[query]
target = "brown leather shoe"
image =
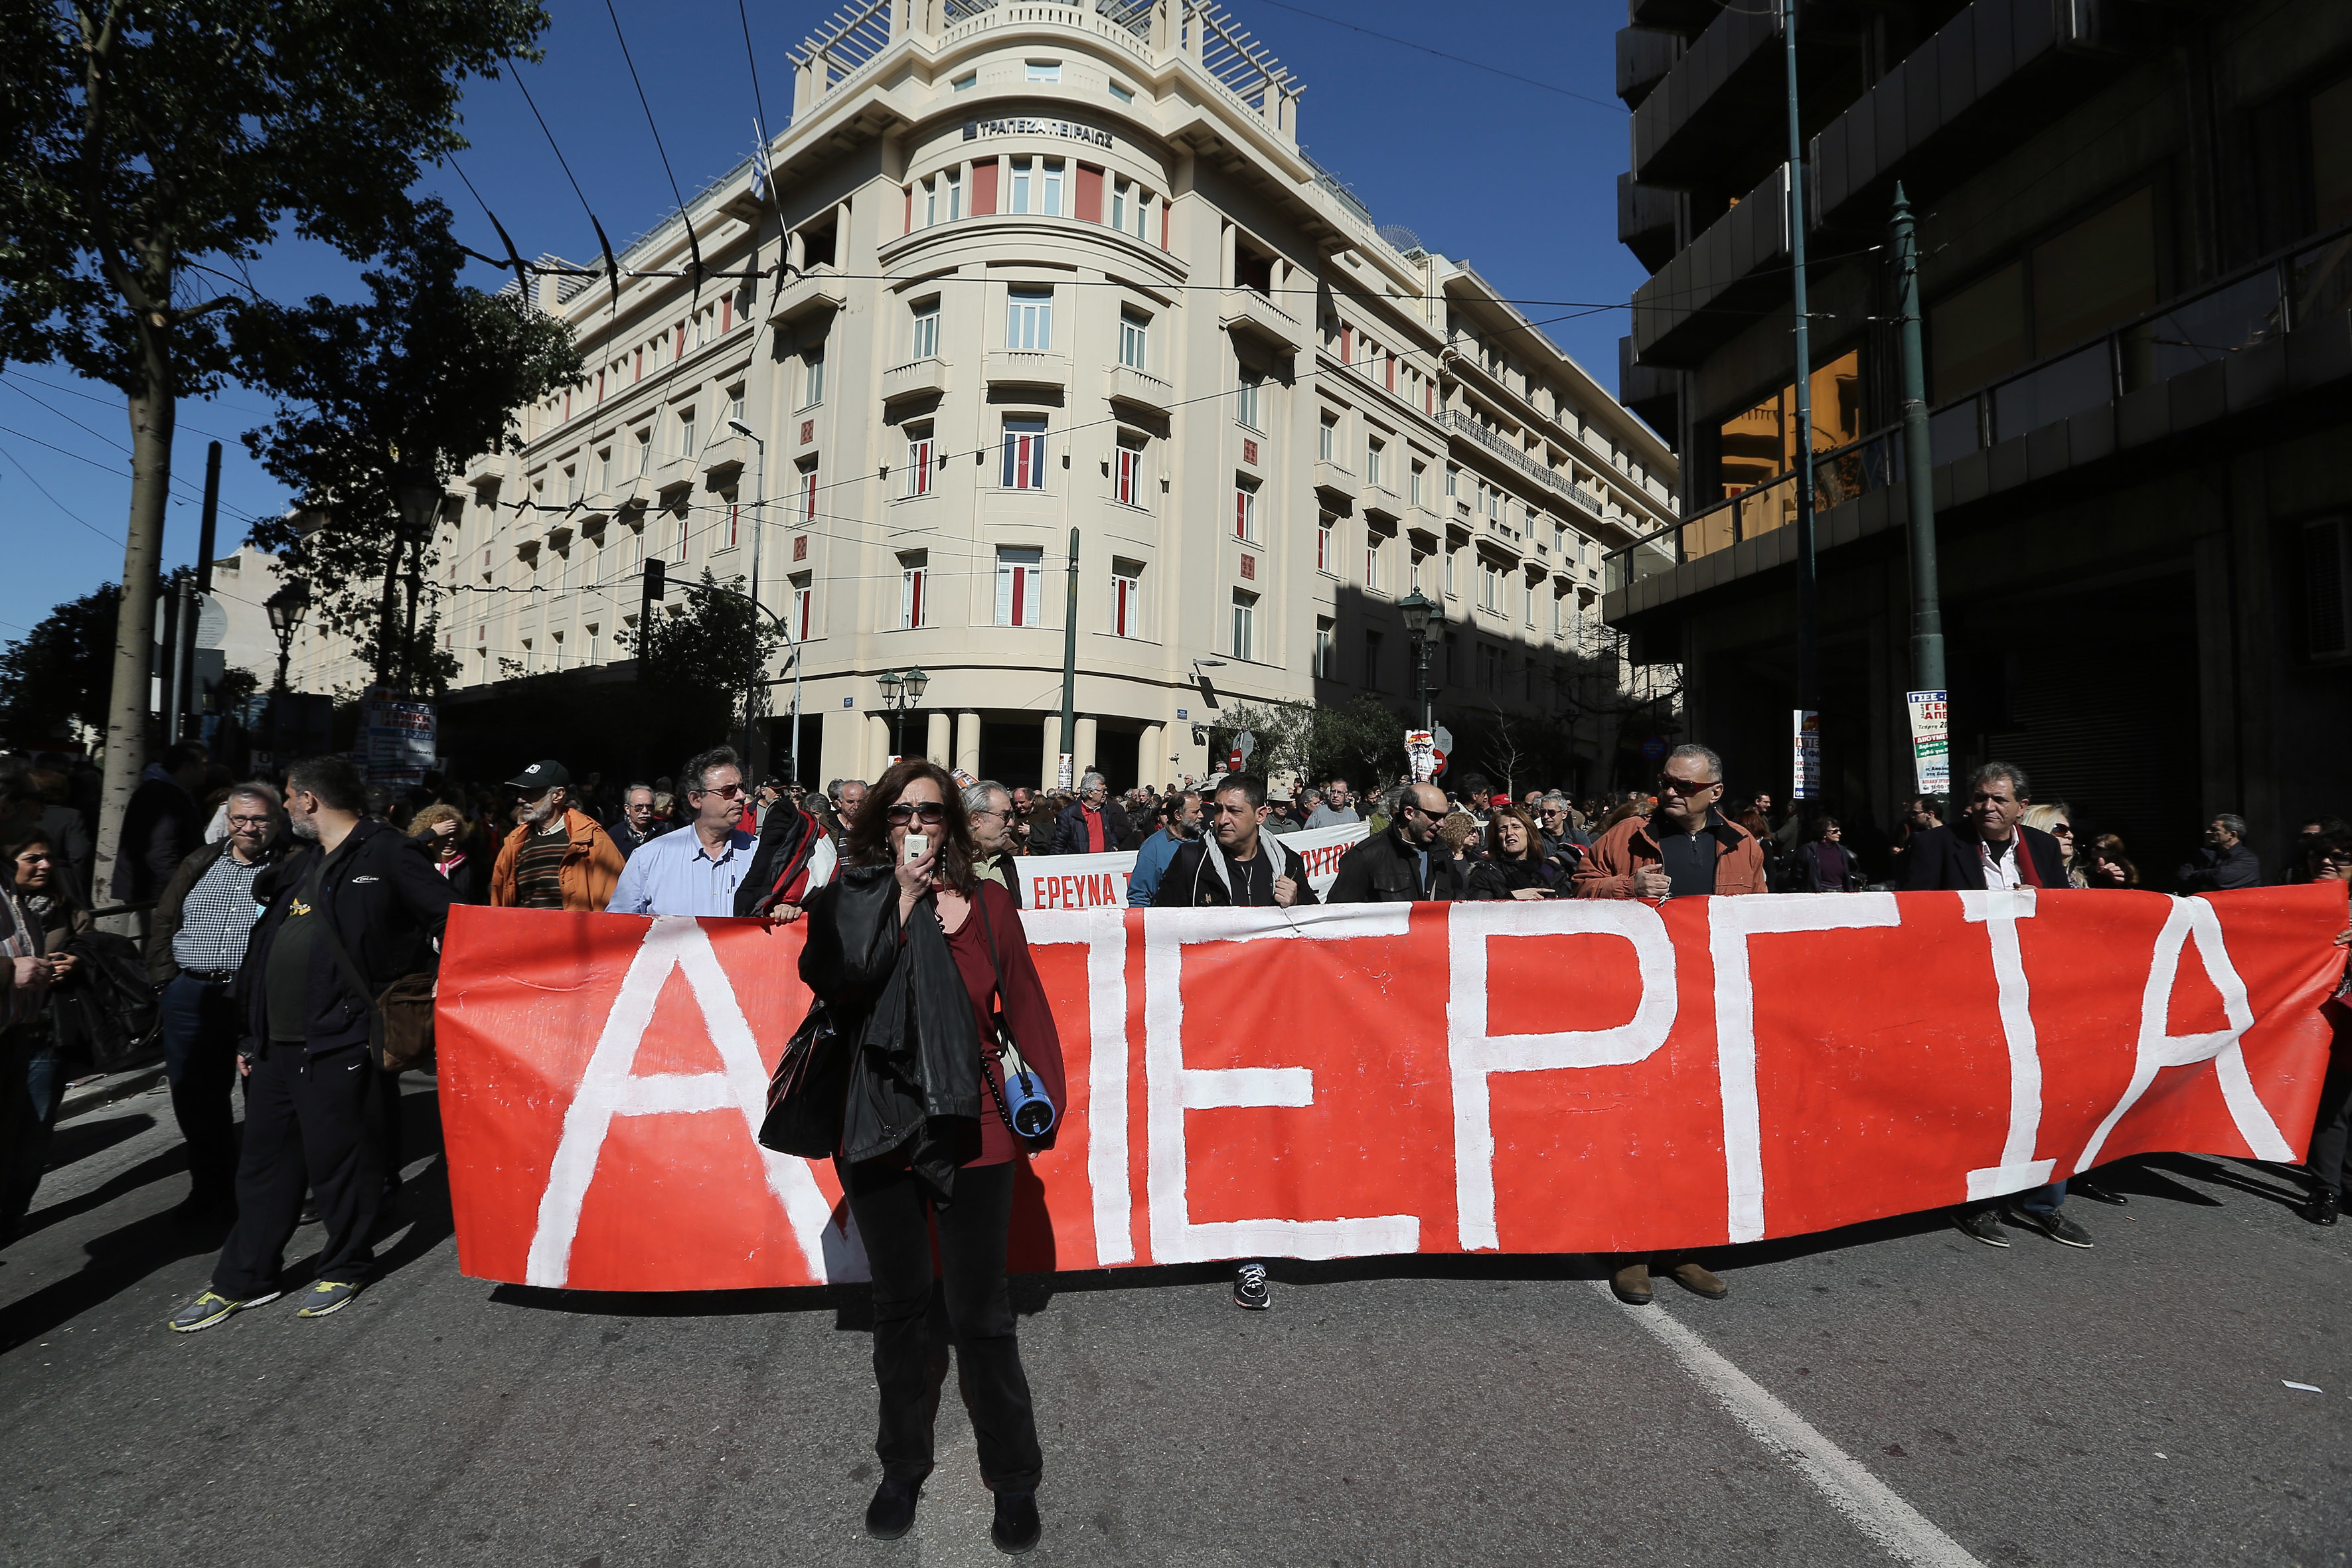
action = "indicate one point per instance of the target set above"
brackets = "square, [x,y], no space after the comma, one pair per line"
[1699,1282]
[1632,1284]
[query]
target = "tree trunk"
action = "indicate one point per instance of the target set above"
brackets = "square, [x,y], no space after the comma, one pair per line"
[408,640]
[153,413]
[383,643]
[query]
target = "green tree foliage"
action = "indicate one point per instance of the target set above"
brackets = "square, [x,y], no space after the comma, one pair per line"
[57,674]
[1360,741]
[694,666]
[148,152]
[403,388]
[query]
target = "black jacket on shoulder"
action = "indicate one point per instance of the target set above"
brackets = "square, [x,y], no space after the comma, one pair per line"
[1940,858]
[1385,869]
[898,1000]
[381,897]
[1191,881]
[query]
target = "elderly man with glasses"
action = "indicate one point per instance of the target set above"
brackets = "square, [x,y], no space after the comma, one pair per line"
[194,944]
[696,871]
[1688,847]
[1094,823]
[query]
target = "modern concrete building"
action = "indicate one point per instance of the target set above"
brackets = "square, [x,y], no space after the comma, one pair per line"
[1026,274]
[2135,225]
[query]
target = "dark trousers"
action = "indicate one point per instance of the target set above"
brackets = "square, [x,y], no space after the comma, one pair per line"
[892,1214]
[311,1122]
[32,1087]
[201,1027]
[2331,1130]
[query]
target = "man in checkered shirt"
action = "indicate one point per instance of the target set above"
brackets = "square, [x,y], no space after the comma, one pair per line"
[194,945]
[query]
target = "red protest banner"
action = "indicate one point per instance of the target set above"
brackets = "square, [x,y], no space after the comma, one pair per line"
[1558,1077]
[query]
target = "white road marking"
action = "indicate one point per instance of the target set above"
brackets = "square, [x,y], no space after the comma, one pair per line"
[1867,1502]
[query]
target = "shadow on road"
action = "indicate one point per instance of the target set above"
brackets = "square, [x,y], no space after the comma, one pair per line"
[2232,1175]
[154,1168]
[118,1260]
[78,1140]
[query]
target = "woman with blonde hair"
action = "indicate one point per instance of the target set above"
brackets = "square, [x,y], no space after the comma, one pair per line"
[2057,819]
[444,829]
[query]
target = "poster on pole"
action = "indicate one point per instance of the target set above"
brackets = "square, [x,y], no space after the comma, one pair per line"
[1808,781]
[1421,754]
[1931,744]
[398,739]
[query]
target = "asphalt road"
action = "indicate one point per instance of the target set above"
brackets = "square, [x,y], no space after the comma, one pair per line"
[1895,1393]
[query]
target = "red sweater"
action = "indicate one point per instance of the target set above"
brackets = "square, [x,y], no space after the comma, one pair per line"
[1025,1009]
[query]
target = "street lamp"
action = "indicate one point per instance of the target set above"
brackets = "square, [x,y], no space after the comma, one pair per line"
[756,755]
[1423,622]
[900,692]
[286,607]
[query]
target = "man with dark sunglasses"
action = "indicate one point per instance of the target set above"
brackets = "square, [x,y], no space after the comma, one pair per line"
[696,870]
[1407,864]
[1686,847]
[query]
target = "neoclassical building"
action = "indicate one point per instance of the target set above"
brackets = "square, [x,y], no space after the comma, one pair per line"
[1022,275]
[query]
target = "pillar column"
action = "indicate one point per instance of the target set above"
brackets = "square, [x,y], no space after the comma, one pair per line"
[878,747]
[1050,754]
[937,744]
[1085,750]
[967,742]
[1151,764]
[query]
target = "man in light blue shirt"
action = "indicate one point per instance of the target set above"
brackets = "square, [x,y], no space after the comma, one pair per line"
[696,870]
[1182,822]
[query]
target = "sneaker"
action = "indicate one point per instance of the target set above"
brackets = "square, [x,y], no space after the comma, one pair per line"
[1249,1290]
[2322,1206]
[211,1307]
[892,1512]
[1979,1224]
[327,1298]
[1016,1526]
[2052,1223]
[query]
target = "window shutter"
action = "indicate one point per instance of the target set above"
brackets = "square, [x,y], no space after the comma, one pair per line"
[983,187]
[1346,343]
[910,211]
[1163,225]
[1090,194]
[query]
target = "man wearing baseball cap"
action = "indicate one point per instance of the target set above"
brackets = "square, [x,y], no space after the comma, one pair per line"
[557,858]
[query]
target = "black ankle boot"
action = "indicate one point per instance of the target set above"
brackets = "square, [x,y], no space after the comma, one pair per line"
[892,1512]
[2321,1208]
[1017,1525]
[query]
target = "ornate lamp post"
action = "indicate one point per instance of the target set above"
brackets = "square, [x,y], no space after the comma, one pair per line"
[286,607]
[1423,622]
[901,691]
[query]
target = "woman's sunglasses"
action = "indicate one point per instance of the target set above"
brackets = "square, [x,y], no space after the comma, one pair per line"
[902,813]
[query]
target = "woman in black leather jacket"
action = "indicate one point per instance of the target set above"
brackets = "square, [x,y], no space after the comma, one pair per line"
[912,957]
[1514,865]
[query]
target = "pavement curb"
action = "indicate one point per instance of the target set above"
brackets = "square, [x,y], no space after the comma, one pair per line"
[106,1090]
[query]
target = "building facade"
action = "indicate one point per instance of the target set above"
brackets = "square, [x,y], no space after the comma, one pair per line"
[1025,278]
[2134,224]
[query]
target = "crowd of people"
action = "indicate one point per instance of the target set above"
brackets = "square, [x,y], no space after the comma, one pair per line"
[286,927]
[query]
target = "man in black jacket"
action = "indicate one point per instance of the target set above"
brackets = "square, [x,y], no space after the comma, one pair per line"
[313,1111]
[2226,861]
[1993,848]
[160,825]
[1094,823]
[1407,864]
[1236,863]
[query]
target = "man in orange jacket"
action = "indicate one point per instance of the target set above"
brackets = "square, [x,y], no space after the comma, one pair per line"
[557,858]
[1687,847]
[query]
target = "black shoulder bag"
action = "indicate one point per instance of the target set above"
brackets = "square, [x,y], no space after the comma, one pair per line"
[400,1018]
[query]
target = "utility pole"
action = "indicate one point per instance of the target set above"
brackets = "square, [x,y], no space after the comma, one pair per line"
[1069,747]
[1928,680]
[1808,652]
[191,700]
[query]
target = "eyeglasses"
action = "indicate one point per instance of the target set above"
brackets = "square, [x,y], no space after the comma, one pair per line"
[1669,784]
[724,792]
[2063,829]
[903,812]
[988,814]
[248,822]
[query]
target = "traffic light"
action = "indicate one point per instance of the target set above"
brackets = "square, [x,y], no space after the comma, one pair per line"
[657,585]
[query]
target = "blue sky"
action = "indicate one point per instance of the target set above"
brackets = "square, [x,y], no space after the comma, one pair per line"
[1516,179]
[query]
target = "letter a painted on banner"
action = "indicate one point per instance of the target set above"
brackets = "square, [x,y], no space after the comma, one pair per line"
[2193,919]
[610,1088]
